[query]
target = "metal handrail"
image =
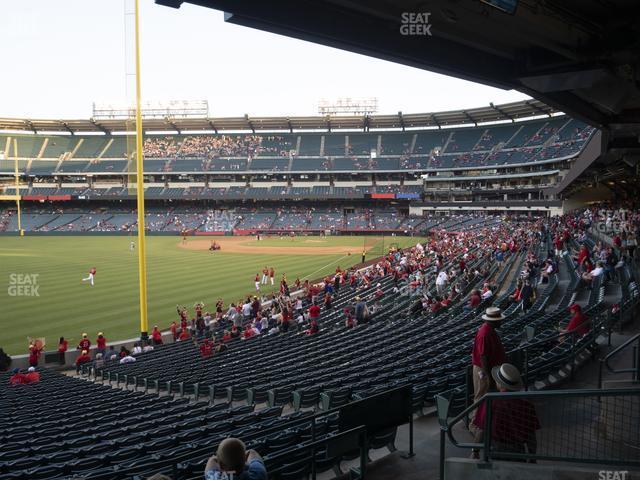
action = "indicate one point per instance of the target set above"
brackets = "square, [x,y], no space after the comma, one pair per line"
[446,424]
[635,368]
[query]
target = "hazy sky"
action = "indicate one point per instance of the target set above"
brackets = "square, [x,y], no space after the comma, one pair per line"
[59,56]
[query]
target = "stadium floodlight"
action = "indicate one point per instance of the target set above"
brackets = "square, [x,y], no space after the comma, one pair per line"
[152,109]
[348,106]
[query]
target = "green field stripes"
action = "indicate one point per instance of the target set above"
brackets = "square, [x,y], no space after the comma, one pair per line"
[66,306]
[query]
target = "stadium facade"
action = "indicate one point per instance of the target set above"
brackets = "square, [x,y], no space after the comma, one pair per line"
[381,172]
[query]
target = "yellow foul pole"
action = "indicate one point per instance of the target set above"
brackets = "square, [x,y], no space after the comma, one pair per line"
[17,176]
[142,259]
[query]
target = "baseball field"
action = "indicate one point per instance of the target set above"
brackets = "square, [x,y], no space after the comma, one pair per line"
[44,295]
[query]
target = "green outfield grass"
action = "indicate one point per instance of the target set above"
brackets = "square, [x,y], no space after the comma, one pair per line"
[66,306]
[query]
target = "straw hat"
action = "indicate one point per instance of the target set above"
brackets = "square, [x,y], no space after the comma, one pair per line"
[507,376]
[493,314]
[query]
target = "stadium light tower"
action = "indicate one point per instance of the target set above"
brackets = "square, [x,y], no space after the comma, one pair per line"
[142,255]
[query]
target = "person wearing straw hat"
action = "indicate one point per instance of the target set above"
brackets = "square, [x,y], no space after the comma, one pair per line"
[487,352]
[514,421]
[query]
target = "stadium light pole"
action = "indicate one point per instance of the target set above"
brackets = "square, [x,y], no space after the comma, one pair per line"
[17,178]
[142,255]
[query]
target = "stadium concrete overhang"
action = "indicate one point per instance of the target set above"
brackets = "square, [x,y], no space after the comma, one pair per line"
[578,56]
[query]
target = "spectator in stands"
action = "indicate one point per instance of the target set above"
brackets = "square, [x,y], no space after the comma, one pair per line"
[527,295]
[16,377]
[314,311]
[5,361]
[101,344]
[84,344]
[174,330]
[63,345]
[361,311]
[127,359]
[487,292]
[99,363]
[579,323]
[137,349]
[82,359]
[112,354]
[587,277]
[233,458]
[474,300]
[441,282]
[487,352]
[34,354]
[32,375]
[514,421]
[156,335]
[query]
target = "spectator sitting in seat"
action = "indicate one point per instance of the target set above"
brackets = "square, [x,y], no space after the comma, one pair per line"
[127,359]
[111,354]
[82,359]
[579,323]
[32,376]
[474,300]
[99,363]
[486,292]
[232,458]
[587,277]
[16,377]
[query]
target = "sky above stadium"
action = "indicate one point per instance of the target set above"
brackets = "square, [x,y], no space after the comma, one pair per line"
[60,56]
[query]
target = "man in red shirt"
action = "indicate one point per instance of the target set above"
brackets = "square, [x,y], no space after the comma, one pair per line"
[156,335]
[101,344]
[314,311]
[63,345]
[17,378]
[32,376]
[514,421]
[487,352]
[82,359]
[174,330]
[84,344]
[579,323]
[475,299]
[34,355]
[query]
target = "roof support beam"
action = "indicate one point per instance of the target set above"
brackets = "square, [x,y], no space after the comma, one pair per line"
[470,118]
[100,127]
[249,122]
[213,127]
[502,112]
[290,125]
[173,124]
[537,108]
[67,128]
[401,119]
[31,126]
[435,120]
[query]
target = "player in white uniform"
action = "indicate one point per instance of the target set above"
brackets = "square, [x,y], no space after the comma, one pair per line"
[92,273]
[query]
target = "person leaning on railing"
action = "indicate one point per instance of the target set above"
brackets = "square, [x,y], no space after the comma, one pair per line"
[514,421]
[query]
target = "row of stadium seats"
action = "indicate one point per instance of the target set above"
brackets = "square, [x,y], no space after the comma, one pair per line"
[178,220]
[359,191]
[273,152]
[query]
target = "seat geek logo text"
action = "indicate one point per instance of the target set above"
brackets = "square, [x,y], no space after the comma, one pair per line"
[415,24]
[23,285]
